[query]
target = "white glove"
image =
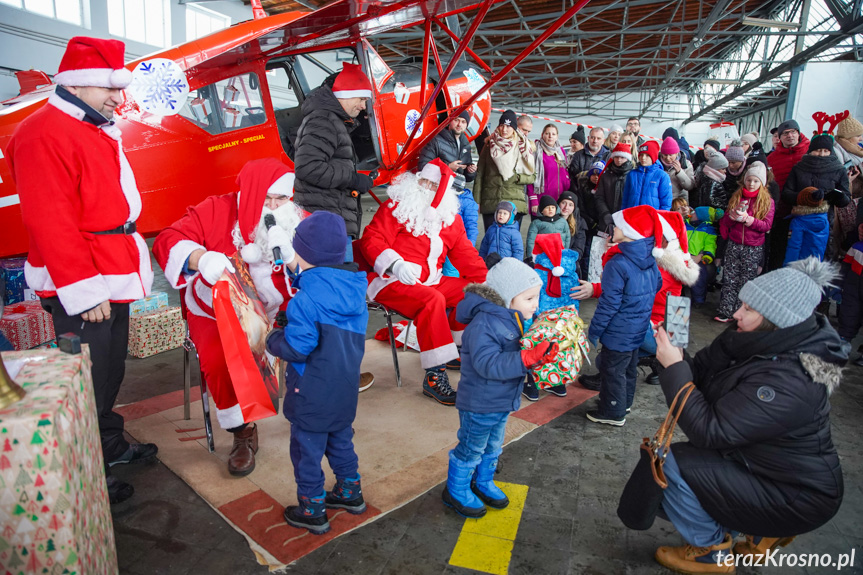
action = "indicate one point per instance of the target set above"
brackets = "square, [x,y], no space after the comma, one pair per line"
[402,270]
[277,237]
[212,265]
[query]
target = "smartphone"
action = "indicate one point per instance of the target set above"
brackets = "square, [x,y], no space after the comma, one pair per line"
[848,165]
[677,310]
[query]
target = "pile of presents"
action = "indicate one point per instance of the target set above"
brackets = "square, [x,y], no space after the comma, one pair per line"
[154,327]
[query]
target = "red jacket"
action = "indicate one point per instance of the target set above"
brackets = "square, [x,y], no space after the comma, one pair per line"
[73,179]
[782,159]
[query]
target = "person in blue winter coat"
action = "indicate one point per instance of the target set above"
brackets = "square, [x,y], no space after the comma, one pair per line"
[323,345]
[810,228]
[630,281]
[647,184]
[469,211]
[503,237]
[493,367]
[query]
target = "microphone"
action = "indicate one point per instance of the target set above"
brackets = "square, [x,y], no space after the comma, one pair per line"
[270,221]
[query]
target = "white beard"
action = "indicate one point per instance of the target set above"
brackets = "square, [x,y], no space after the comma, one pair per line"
[412,206]
[287,216]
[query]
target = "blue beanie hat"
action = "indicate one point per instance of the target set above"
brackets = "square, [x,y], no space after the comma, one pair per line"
[320,239]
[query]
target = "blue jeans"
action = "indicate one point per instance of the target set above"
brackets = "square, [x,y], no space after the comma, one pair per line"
[480,435]
[618,372]
[307,450]
[648,346]
[685,512]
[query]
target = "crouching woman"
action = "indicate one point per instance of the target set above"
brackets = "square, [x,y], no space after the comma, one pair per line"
[759,460]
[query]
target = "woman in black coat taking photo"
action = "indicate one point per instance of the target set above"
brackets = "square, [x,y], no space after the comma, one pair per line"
[759,460]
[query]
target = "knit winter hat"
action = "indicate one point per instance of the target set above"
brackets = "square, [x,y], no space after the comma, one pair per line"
[788,125]
[505,206]
[546,201]
[821,142]
[789,295]
[749,139]
[621,150]
[510,277]
[735,154]
[578,135]
[758,170]
[567,195]
[849,128]
[616,128]
[670,133]
[651,148]
[465,116]
[93,62]
[716,160]
[458,182]
[669,147]
[596,168]
[638,223]
[320,239]
[508,118]
[812,197]
[352,83]
[713,144]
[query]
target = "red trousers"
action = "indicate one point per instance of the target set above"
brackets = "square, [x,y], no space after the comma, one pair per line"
[438,332]
[205,335]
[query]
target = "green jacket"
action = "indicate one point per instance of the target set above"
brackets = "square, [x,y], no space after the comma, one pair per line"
[702,238]
[540,226]
[490,188]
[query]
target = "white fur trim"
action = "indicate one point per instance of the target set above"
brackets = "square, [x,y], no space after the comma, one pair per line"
[125,287]
[679,264]
[67,108]
[145,267]
[345,94]
[430,172]
[438,356]
[557,271]
[251,253]
[192,304]
[100,77]
[262,277]
[456,336]
[657,252]
[177,257]
[38,278]
[613,155]
[383,262]
[84,294]
[435,252]
[230,417]
[628,230]
[667,229]
[377,284]
[284,186]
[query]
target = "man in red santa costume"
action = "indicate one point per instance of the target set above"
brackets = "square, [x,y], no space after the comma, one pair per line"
[79,202]
[407,242]
[194,253]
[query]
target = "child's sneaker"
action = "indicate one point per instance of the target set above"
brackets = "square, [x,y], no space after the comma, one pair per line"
[597,417]
[454,364]
[722,318]
[529,391]
[558,390]
[436,385]
[347,494]
[310,514]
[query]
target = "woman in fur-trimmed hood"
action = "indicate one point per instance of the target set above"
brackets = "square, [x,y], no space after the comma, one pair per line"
[760,459]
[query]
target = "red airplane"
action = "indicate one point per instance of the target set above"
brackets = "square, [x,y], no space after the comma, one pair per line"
[196,113]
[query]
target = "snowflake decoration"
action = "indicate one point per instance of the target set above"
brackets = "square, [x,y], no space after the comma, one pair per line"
[411,120]
[159,86]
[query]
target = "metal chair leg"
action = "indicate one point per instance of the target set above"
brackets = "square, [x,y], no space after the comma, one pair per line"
[208,426]
[388,314]
[187,382]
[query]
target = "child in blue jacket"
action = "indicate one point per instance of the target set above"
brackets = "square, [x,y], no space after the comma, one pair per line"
[323,344]
[647,184]
[810,228]
[504,237]
[493,367]
[630,281]
[468,209]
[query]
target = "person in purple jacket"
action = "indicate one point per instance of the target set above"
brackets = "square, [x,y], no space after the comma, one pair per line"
[552,177]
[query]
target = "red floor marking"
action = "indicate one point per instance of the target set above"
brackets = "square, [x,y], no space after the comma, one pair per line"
[190,430]
[552,407]
[260,517]
[192,438]
[156,404]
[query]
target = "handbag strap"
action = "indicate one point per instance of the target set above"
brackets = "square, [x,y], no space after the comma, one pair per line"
[662,439]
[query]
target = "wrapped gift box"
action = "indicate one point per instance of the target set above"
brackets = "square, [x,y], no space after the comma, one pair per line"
[156,332]
[54,505]
[232,117]
[201,108]
[153,302]
[13,270]
[27,325]
[564,327]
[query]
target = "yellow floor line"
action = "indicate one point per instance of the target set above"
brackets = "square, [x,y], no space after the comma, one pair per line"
[486,544]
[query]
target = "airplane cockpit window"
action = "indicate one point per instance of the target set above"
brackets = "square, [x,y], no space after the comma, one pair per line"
[226,105]
[312,69]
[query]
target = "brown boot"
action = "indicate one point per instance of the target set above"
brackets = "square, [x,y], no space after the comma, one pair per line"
[758,546]
[242,459]
[694,560]
[366,380]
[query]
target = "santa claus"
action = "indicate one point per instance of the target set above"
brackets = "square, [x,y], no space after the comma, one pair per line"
[407,242]
[194,254]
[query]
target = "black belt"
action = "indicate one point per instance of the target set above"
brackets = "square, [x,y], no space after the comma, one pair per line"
[126,229]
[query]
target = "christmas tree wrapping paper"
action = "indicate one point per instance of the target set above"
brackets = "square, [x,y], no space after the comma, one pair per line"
[54,508]
[156,332]
[564,327]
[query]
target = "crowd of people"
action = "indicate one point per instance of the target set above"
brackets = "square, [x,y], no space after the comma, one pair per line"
[655,218]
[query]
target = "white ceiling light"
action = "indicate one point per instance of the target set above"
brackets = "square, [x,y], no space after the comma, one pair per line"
[766,23]
[721,82]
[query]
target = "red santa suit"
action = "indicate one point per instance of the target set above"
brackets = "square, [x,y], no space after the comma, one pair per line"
[423,232]
[226,224]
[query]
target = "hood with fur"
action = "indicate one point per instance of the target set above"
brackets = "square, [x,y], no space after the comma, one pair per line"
[678,263]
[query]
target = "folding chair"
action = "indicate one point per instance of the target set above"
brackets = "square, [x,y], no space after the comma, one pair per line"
[188,347]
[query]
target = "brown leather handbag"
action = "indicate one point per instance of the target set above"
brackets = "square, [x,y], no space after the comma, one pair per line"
[642,495]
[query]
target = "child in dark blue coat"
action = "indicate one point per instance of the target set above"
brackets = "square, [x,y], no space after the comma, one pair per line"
[810,228]
[323,344]
[503,237]
[630,281]
[493,367]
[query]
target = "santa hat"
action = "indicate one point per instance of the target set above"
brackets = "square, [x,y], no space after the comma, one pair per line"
[438,172]
[675,259]
[621,150]
[552,246]
[352,83]
[257,179]
[93,62]
[650,148]
[640,222]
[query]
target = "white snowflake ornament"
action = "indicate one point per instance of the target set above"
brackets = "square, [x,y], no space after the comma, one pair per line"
[159,86]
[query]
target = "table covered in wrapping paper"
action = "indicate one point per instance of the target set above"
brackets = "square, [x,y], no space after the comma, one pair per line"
[564,327]
[54,508]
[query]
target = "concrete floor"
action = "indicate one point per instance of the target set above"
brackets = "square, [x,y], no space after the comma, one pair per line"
[575,471]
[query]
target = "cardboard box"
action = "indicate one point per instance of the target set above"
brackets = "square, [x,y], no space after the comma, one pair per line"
[27,325]
[156,332]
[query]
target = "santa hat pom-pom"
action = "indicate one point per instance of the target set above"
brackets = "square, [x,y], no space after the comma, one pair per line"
[557,271]
[251,253]
[658,252]
[120,78]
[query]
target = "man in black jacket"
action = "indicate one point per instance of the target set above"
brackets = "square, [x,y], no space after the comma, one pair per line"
[451,146]
[593,152]
[325,161]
